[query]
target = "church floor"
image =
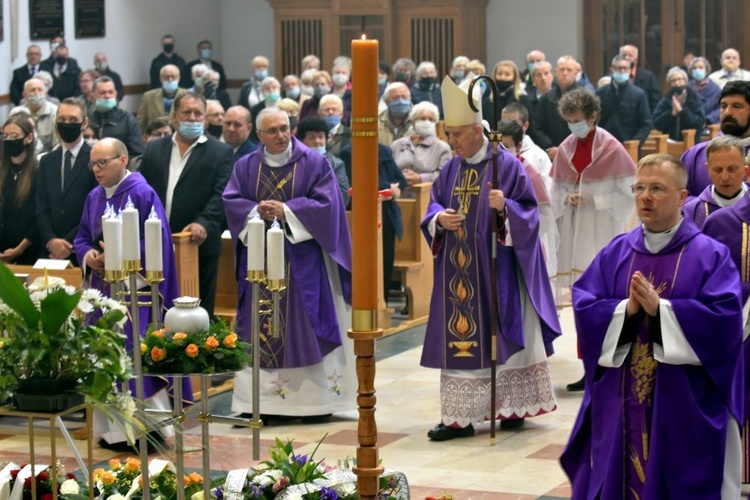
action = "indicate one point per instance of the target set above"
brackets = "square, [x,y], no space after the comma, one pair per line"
[523,464]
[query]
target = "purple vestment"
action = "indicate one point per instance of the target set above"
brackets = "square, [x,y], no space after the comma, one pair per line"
[698,209]
[307,186]
[458,328]
[135,187]
[695,163]
[691,405]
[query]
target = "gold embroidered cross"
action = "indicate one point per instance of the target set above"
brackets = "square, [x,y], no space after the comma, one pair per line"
[469,187]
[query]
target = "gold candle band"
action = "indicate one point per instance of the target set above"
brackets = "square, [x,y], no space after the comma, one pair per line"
[364,320]
[364,119]
[256,276]
[115,276]
[131,266]
[154,277]
[276,285]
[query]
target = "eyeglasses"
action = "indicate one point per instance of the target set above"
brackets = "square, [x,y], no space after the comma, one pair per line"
[273,131]
[102,164]
[11,137]
[654,190]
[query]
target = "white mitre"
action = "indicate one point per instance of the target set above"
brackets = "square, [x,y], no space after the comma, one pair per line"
[456,103]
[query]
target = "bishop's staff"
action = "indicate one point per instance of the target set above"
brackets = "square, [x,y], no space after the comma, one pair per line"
[495,313]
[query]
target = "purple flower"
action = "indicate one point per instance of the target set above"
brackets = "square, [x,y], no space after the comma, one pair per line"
[256,491]
[301,459]
[328,494]
[218,493]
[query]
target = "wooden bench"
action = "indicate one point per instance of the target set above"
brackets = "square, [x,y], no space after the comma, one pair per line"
[413,264]
[656,143]
[632,148]
[676,148]
[713,131]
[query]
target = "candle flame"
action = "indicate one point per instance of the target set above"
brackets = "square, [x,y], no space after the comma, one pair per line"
[364,37]
[129,204]
[153,214]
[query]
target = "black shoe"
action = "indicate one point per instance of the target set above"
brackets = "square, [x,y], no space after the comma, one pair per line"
[577,386]
[444,433]
[316,419]
[513,423]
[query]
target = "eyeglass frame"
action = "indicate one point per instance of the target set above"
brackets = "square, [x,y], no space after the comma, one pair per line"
[106,161]
[655,190]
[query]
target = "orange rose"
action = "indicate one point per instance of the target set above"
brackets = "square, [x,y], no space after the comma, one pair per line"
[192,351]
[158,333]
[211,343]
[179,338]
[133,465]
[98,474]
[115,464]
[107,478]
[158,354]
[193,478]
[230,341]
[144,349]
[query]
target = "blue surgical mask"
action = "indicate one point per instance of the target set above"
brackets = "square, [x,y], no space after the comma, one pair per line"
[198,81]
[321,150]
[399,107]
[321,90]
[105,105]
[293,93]
[579,129]
[459,75]
[332,120]
[382,80]
[272,97]
[170,87]
[620,77]
[531,67]
[261,74]
[699,74]
[191,130]
[206,53]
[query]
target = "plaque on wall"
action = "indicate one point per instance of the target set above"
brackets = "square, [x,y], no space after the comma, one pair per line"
[46,19]
[89,16]
[2,22]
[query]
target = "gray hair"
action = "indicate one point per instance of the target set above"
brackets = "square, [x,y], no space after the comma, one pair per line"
[630,45]
[703,60]
[541,64]
[342,61]
[199,70]
[393,86]
[418,108]
[675,70]
[212,75]
[167,67]
[619,58]
[268,81]
[328,98]
[46,78]
[423,66]
[459,59]
[288,77]
[269,112]
[725,143]
[307,76]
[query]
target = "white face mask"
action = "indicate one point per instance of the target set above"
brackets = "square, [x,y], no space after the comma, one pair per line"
[579,129]
[425,128]
[511,150]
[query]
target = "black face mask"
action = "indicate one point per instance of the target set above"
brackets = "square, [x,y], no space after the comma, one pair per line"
[168,48]
[678,90]
[427,82]
[502,85]
[214,130]
[293,122]
[401,76]
[15,147]
[69,132]
[61,60]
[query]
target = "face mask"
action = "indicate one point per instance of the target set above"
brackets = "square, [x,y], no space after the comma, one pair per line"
[308,90]
[502,85]
[69,132]
[36,100]
[578,77]
[293,122]
[91,141]
[15,147]
[678,90]
[427,82]
[198,81]
[459,75]
[102,67]
[214,130]
[579,129]
[382,80]
[401,76]
[170,87]
[321,150]
[321,90]
[53,46]
[699,74]
[293,93]
[399,107]
[191,130]
[168,48]
[511,151]
[261,74]
[340,79]
[272,97]
[620,77]
[105,105]
[331,120]
[425,128]
[206,53]
[531,67]
[61,60]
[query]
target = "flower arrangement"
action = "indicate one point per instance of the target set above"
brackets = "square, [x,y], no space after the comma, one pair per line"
[58,335]
[217,349]
[66,483]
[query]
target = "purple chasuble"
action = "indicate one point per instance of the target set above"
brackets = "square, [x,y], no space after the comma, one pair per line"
[309,328]
[89,235]
[458,329]
[690,405]
[698,209]
[695,163]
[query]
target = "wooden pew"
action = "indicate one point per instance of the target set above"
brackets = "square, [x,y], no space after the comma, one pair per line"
[440,131]
[656,143]
[413,265]
[226,286]
[677,148]
[713,131]
[632,148]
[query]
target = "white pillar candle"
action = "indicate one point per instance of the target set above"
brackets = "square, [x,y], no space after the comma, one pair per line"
[131,232]
[112,233]
[256,244]
[275,245]
[152,233]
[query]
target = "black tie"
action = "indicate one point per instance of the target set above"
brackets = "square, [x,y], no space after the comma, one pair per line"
[67,168]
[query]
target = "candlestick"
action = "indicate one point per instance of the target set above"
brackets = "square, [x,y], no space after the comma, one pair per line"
[256,229]
[275,245]
[112,233]
[153,243]
[131,237]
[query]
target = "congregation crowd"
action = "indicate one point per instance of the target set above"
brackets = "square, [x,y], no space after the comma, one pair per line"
[660,309]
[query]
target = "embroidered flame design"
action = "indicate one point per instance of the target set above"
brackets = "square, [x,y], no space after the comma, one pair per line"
[461,292]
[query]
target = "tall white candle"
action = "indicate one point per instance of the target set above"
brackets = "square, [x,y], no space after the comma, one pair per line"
[131,232]
[152,233]
[256,244]
[275,245]
[112,233]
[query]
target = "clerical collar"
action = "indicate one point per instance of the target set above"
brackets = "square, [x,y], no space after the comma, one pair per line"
[655,242]
[723,201]
[480,155]
[278,159]
[110,191]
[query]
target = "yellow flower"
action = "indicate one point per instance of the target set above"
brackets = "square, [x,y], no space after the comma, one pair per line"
[193,478]
[133,465]
[98,474]
[144,349]
[211,343]
[158,333]
[107,478]
[158,354]
[179,338]
[114,464]
[192,351]
[230,341]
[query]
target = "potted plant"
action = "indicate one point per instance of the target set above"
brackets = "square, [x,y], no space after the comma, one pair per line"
[57,342]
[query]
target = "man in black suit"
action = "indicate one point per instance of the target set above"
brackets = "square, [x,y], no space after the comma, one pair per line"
[102,67]
[64,70]
[111,121]
[641,77]
[189,171]
[63,182]
[20,75]
[167,56]
[236,131]
[205,56]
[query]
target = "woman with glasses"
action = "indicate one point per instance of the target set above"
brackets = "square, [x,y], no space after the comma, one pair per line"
[18,166]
